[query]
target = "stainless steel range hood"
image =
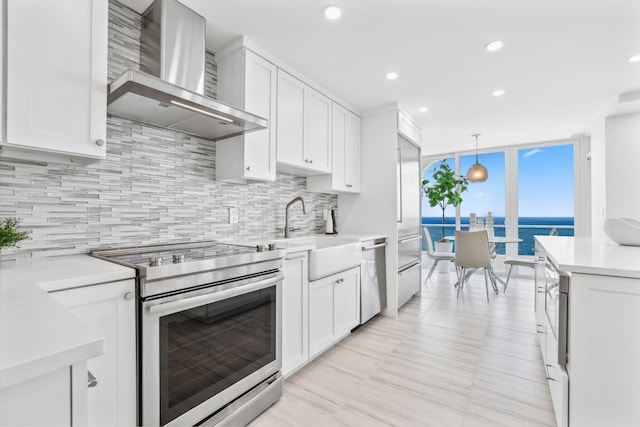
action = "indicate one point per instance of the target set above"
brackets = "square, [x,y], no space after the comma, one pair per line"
[168,92]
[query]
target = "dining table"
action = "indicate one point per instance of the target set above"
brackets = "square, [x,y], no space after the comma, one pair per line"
[494,243]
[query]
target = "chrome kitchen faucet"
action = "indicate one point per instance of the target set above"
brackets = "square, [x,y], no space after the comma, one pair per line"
[286,215]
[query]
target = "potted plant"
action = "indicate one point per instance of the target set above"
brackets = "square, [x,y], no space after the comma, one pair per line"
[445,190]
[9,234]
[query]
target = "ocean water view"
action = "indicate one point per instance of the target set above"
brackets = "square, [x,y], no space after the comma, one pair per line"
[527,228]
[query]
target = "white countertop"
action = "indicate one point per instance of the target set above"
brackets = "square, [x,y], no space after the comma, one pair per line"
[37,334]
[303,243]
[591,256]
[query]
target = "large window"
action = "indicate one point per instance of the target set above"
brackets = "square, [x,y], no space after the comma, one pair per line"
[530,191]
[484,197]
[545,193]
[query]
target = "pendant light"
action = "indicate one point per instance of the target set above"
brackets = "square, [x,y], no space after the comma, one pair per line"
[477,172]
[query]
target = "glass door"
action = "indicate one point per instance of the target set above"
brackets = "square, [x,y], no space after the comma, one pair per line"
[545,193]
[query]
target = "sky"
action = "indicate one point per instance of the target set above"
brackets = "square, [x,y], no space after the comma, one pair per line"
[545,184]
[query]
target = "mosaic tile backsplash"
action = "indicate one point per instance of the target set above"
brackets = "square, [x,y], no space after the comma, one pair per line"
[155,186]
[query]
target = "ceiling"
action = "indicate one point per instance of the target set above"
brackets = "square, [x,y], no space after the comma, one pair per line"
[562,61]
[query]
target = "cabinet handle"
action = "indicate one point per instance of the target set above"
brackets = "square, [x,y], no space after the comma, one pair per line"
[91,380]
[99,142]
[290,258]
[248,168]
[310,161]
[306,160]
[128,296]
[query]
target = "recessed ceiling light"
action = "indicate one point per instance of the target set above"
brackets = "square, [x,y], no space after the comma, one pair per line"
[332,12]
[634,58]
[493,46]
[423,109]
[498,92]
[392,75]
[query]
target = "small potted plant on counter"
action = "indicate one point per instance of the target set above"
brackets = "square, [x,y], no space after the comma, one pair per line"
[445,190]
[9,234]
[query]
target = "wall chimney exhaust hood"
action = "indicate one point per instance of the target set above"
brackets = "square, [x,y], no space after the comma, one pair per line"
[168,92]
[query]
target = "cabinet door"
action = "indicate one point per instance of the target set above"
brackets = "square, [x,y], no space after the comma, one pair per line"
[41,401]
[346,301]
[352,153]
[290,120]
[260,99]
[320,315]
[109,309]
[57,78]
[318,152]
[295,312]
[339,132]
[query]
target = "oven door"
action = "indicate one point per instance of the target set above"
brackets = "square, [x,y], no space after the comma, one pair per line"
[205,348]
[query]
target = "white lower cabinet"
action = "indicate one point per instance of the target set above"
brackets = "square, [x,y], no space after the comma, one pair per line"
[334,309]
[295,312]
[109,309]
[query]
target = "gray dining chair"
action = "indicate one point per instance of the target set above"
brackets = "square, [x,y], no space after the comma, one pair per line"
[472,251]
[521,261]
[435,256]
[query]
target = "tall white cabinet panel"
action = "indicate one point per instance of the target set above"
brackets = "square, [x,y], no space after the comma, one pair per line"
[56,65]
[303,127]
[109,309]
[346,155]
[248,81]
[295,312]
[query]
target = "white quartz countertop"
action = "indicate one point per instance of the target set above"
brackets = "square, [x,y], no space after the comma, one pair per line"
[305,243]
[37,334]
[591,256]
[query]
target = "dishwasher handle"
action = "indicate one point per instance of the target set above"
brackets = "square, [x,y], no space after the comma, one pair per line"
[379,245]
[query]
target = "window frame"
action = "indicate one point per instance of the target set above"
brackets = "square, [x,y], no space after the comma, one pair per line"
[581,176]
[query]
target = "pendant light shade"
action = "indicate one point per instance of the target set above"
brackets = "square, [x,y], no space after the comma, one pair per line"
[477,172]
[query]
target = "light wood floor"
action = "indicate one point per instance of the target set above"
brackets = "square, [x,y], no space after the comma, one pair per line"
[443,362]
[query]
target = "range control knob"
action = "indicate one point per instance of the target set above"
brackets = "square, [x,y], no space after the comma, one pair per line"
[155,261]
[272,246]
[178,258]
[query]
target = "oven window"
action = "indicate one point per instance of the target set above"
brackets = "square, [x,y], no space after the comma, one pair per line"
[204,350]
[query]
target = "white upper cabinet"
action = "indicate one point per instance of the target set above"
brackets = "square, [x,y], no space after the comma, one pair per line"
[248,82]
[345,174]
[56,74]
[303,128]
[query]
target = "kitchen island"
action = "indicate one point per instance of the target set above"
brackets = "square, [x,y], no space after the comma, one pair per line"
[603,336]
[42,340]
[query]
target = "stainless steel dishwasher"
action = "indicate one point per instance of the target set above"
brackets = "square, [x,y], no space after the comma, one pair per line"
[373,279]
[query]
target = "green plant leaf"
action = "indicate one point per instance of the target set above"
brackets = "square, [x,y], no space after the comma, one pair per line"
[9,235]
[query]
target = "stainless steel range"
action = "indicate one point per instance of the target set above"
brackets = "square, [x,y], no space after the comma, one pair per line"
[209,331]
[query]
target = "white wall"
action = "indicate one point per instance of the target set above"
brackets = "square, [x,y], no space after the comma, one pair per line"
[615,151]
[622,136]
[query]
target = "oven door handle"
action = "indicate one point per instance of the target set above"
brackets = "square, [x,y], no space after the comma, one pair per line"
[214,296]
